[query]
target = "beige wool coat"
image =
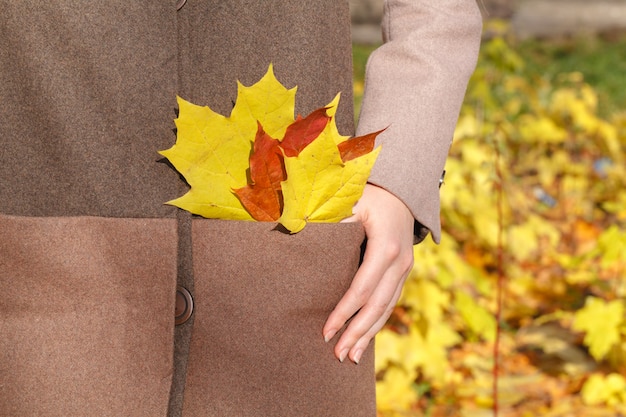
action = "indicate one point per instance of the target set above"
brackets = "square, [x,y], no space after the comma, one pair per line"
[90,257]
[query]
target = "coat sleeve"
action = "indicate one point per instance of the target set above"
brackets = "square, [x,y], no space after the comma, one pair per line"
[414,86]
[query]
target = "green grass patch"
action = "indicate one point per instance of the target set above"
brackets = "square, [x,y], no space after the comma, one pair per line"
[601,60]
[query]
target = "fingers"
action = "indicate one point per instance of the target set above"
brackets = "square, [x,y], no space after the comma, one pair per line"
[362,343]
[373,298]
[378,283]
[365,325]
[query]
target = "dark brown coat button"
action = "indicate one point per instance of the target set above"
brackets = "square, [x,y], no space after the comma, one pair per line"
[184,305]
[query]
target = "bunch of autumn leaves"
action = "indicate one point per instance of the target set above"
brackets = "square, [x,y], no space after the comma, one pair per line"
[262,164]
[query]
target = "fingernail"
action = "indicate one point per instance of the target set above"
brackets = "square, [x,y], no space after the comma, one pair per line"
[342,355]
[329,335]
[357,356]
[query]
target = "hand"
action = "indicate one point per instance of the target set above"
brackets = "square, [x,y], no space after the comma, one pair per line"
[378,283]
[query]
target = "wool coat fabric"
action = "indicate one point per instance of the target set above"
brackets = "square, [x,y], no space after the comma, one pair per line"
[90,257]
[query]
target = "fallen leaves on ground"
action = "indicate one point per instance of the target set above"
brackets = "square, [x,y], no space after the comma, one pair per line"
[559,231]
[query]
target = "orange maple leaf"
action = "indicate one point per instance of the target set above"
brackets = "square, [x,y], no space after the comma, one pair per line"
[304,131]
[358,146]
[263,197]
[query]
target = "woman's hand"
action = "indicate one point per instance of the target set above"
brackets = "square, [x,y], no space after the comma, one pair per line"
[378,283]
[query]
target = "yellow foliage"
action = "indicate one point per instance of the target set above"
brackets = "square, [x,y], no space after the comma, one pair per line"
[526,237]
[468,126]
[434,347]
[600,389]
[395,390]
[541,129]
[612,243]
[562,209]
[601,321]
[425,300]
[479,321]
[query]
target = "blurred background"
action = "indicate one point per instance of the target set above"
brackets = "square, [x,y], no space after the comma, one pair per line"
[520,311]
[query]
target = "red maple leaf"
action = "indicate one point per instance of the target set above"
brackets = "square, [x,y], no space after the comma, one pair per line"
[263,196]
[354,147]
[304,131]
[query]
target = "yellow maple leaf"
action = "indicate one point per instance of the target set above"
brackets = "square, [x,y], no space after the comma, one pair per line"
[601,321]
[600,389]
[395,390]
[477,318]
[211,168]
[425,298]
[212,150]
[320,187]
